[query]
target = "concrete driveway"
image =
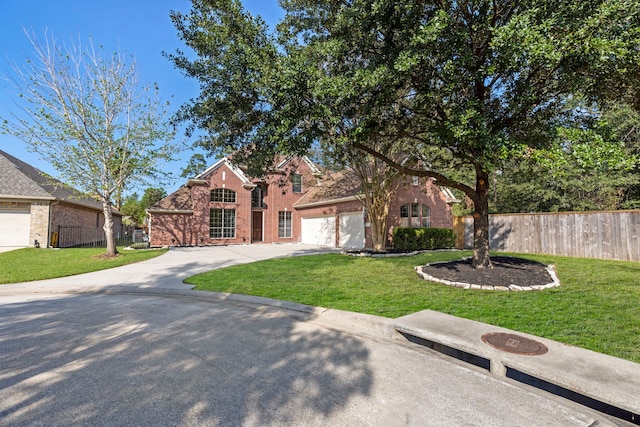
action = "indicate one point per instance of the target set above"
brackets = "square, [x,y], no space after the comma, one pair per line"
[134,346]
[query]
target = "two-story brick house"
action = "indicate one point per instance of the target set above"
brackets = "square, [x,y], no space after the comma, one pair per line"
[296,203]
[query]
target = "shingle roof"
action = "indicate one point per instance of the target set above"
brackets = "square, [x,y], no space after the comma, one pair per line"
[178,201]
[21,180]
[334,186]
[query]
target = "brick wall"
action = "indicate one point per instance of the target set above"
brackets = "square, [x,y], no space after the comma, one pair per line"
[172,230]
[281,198]
[426,193]
[90,221]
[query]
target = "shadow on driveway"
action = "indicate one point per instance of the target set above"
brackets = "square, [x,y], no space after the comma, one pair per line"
[97,359]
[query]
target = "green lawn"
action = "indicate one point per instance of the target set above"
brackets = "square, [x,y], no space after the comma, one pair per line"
[24,265]
[597,307]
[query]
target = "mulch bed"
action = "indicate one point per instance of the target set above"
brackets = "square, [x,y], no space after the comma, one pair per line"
[506,271]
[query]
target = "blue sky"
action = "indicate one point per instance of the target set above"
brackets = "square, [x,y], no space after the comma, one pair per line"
[138,27]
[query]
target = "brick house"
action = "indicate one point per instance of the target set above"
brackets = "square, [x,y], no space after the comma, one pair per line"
[296,203]
[35,207]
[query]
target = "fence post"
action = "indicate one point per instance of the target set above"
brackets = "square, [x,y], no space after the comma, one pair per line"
[458,229]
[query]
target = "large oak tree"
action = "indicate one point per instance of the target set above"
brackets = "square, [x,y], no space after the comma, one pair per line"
[461,86]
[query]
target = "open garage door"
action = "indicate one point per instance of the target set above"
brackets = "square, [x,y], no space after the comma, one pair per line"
[319,231]
[14,226]
[352,230]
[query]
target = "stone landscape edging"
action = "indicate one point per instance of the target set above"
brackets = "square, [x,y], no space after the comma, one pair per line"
[551,269]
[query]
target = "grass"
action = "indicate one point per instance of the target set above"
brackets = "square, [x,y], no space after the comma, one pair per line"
[597,307]
[25,265]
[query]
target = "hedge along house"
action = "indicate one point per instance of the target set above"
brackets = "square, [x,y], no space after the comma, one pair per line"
[38,210]
[297,202]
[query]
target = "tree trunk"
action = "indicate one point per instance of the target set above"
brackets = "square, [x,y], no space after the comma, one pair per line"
[481,258]
[378,234]
[108,229]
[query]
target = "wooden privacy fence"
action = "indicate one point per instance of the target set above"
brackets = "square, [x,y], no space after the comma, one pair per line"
[605,235]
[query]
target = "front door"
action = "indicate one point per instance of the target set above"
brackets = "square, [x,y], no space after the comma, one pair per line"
[256,234]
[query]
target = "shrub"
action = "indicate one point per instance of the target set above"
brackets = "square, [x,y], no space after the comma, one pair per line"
[411,239]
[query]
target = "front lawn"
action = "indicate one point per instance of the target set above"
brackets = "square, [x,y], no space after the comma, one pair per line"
[25,265]
[597,307]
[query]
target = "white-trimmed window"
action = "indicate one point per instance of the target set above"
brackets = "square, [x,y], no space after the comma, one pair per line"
[296,180]
[223,195]
[284,224]
[415,215]
[257,197]
[222,223]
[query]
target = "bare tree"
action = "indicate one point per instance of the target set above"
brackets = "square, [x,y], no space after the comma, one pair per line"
[91,118]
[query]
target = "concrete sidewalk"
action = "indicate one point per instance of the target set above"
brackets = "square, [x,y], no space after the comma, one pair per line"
[603,378]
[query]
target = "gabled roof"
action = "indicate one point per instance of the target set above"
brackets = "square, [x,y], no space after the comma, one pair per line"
[225,161]
[448,195]
[314,169]
[20,180]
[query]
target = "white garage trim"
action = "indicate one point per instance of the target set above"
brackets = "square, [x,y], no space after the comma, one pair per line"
[319,231]
[15,224]
[352,230]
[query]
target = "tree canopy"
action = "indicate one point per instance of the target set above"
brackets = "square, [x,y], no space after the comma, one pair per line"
[460,87]
[136,207]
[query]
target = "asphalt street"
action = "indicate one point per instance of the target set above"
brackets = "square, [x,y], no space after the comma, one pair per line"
[134,346]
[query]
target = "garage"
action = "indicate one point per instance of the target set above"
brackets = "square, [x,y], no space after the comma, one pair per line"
[15,223]
[319,231]
[352,230]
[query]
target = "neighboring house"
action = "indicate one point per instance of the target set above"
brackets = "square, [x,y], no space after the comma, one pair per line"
[38,210]
[295,203]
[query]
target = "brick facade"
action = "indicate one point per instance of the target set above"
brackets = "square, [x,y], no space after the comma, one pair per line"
[425,193]
[183,218]
[253,224]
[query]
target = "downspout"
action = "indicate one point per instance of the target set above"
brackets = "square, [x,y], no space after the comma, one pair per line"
[51,205]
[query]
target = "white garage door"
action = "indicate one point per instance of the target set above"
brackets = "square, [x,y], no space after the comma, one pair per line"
[14,227]
[319,231]
[352,230]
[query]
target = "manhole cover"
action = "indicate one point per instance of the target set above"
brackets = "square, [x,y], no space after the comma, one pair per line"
[515,344]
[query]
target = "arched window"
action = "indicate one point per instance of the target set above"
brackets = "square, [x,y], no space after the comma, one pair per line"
[223,195]
[415,215]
